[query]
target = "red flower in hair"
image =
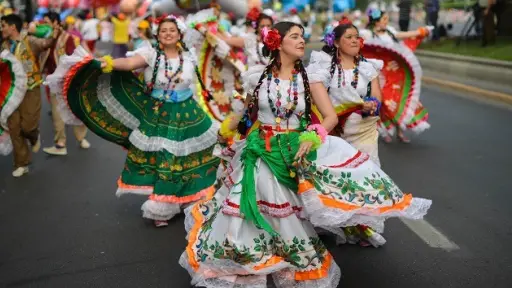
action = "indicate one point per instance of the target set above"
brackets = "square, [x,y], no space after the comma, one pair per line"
[345,21]
[159,19]
[272,40]
[361,42]
[253,14]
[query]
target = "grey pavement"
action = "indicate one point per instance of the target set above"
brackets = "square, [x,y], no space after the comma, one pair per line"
[62,226]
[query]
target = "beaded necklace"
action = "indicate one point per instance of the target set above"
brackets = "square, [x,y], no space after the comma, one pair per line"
[341,74]
[170,93]
[280,113]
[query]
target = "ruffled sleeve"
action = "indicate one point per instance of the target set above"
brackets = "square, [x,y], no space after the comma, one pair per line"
[251,77]
[370,68]
[392,30]
[319,68]
[365,34]
[148,53]
[250,45]
[189,64]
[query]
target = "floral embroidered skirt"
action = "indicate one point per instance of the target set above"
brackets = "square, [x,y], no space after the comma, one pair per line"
[341,188]
[169,145]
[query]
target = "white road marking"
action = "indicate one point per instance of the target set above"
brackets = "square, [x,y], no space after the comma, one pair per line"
[430,235]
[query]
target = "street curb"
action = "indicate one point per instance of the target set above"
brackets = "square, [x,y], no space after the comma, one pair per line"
[482,93]
[464,58]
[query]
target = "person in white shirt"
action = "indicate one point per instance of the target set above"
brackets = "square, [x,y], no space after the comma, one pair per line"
[90,31]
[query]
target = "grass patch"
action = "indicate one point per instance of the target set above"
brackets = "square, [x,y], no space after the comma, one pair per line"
[502,50]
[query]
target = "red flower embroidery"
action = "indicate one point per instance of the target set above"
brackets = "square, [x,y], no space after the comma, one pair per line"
[361,42]
[272,40]
[253,14]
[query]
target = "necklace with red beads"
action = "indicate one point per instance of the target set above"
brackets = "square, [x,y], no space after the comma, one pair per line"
[283,113]
[341,74]
[170,93]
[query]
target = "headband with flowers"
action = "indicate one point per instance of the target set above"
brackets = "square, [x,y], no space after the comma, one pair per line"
[181,25]
[271,38]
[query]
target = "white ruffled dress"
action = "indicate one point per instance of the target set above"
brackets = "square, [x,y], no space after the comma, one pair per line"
[346,188]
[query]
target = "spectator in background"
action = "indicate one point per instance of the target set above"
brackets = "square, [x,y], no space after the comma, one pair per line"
[121,35]
[405,14]
[90,31]
[106,30]
[432,9]
[489,33]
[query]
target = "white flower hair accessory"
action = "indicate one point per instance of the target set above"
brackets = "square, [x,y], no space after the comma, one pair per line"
[179,22]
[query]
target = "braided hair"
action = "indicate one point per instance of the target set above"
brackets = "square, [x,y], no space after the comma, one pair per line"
[332,50]
[251,113]
[184,47]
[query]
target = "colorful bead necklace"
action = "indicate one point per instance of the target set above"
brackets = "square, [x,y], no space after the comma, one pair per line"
[169,93]
[341,74]
[280,113]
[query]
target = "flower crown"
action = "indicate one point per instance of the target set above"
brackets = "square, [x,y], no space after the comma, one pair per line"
[271,38]
[181,25]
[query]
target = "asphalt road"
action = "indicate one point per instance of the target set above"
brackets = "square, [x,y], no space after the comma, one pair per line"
[62,226]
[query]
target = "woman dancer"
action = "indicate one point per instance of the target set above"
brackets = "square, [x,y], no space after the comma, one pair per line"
[168,136]
[401,107]
[353,87]
[251,42]
[354,90]
[256,224]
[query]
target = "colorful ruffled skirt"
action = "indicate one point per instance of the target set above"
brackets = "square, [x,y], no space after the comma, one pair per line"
[401,87]
[262,220]
[170,144]
[13,86]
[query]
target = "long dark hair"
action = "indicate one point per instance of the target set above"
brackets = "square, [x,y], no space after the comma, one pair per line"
[184,47]
[251,113]
[262,17]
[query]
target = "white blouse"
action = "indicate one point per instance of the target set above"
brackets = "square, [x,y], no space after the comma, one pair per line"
[187,74]
[265,114]
[319,70]
[385,37]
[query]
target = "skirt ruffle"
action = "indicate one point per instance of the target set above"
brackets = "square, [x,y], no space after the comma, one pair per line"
[225,250]
[169,145]
[13,87]
[347,189]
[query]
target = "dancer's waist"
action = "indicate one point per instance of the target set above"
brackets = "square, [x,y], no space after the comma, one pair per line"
[172,96]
